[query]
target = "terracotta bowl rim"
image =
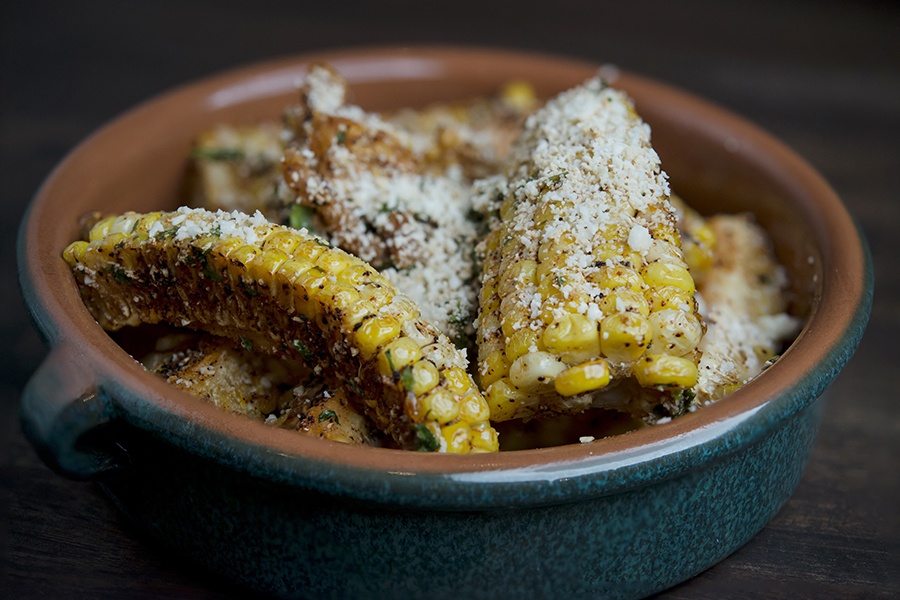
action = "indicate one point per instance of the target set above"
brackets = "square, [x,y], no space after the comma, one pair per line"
[525,477]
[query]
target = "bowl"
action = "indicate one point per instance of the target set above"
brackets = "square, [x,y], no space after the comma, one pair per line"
[622,517]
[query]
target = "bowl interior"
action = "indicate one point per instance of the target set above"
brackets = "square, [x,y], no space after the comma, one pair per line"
[715,160]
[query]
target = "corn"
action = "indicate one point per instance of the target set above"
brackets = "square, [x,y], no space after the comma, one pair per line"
[663,370]
[279,291]
[584,249]
[583,378]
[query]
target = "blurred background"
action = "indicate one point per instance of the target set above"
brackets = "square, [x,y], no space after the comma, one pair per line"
[822,76]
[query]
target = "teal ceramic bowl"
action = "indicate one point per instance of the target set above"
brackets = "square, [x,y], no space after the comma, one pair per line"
[621,517]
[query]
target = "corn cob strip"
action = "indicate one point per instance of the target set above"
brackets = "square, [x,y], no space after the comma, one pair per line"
[286,292]
[584,281]
[376,199]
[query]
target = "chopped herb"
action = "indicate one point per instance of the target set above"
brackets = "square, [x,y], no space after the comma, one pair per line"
[425,440]
[341,137]
[247,343]
[216,231]
[354,387]
[390,361]
[301,217]
[326,415]
[218,154]
[252,292]
[302,348]
[560,280]
[385,208]
[322,242]
[407,378]
[118,273]
[168,233]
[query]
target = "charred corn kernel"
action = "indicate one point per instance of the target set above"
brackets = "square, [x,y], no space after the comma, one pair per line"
[376,332]
[664,370]
[356,274]
[600,232]
[535,370]
[624,336]
[493,367]
[503,399]
[624,300]
[398,354]
[457,437]
[304,310]
[457,379]
[473,408]
[146,222]
[572,333]
[101,228]
[425,377]
[669,296]
[658,274]
[617,276]
[441,406]
[522,342]
[583,378]
[675,331]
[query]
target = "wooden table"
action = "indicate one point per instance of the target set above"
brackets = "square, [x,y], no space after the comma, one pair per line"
[823,76]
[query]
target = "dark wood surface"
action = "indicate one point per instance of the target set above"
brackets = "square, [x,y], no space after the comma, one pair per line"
[823,76]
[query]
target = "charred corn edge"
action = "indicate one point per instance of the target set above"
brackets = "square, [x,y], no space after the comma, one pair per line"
[263,271]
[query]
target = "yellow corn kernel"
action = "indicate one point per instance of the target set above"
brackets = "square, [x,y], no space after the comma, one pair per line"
[522,342]
[669,296]
[484,438]
[572,333]
[356,274]
[519,95]
[291,269]
[265,264]
[503,399]
[146,223]
[492,241]
[675,332]
[658,274]
[665,370]
[493,367]
[514,319]
[457,379]
[624,336]
[583,378]
[398,354]
[376,332]
[518,276]
[624,300]
[286,241]
[101,228]
[473,408]
[617,276]
[334,261]
[425,377]
[109,243]
[74,252]
[535,371]
[508,207]
[457,437]
[244,254]
[555,248]
[698,248]
[440,406]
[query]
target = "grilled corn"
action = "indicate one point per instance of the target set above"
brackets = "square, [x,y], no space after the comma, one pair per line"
[584,280]
[286,292]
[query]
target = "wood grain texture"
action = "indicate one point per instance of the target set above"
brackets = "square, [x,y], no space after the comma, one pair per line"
[822,76]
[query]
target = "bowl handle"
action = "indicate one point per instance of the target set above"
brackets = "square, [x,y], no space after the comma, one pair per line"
[63,414]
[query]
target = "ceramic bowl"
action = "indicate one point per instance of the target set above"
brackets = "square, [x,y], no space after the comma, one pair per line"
[623,516]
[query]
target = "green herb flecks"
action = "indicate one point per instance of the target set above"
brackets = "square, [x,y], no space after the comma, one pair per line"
[329,415]
[341,137]
[247,344]
[167,234]
[390,361]
[118,273]
[249,290]
[301,217]
[218,154]
[407,379]
[425,440]
[302,348]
